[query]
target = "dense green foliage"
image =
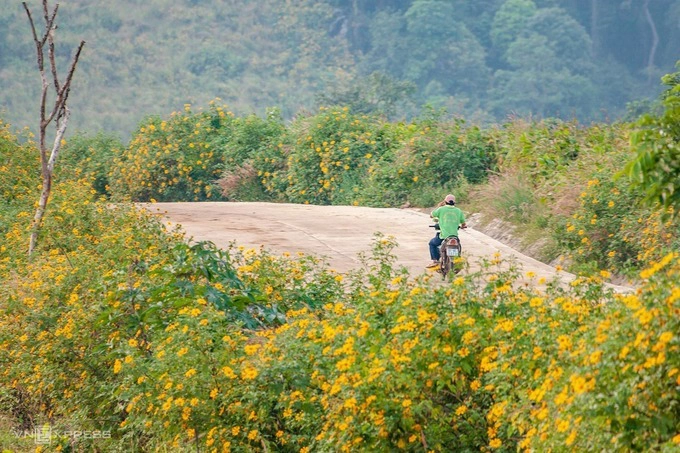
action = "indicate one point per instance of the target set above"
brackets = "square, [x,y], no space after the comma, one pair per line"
[115,325]
[656,168]
[175,159]
[485,60]
[91,155]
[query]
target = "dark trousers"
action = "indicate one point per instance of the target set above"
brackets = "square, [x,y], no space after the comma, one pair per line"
[435,242]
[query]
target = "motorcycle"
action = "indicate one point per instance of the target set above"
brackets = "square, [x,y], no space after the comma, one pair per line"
[449,250]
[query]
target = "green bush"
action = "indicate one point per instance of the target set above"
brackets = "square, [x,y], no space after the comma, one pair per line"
[255,160]
[91,157]
[178,159]
[333,153]
[50,313]
[656,140]
[612,230]
[540,148]
[436,159]
[589,370]
[19,189]
[19,167]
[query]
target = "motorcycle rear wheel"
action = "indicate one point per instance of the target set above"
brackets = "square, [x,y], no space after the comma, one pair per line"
[446,262]
[445,265]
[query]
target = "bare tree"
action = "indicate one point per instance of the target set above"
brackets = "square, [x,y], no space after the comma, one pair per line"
[59,113]
[655,41]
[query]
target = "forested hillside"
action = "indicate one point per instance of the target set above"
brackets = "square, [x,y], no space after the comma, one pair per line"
[485,59]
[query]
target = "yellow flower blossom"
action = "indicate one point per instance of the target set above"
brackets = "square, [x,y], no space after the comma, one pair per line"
[228,372]
[251,348]
[562,425]
[572,436]
[249,373]
[665,337]
[564,342]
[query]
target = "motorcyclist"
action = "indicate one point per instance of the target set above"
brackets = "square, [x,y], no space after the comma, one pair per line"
[449,218]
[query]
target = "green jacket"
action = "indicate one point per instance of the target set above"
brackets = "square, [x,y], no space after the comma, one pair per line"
[450,218]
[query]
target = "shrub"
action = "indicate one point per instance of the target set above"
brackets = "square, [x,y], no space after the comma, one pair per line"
[49,308]
[436,159]
[613,231]
[333,153]
[656,167]
[255,160]
[539,148]
[19,189]
[91,157]
[19,167]
[590,372]
[178,159]
[509,197]
[115,323]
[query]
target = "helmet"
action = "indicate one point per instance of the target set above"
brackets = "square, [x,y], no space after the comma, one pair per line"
[449,199]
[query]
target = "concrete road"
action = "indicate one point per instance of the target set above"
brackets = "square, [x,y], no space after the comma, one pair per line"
[339,233]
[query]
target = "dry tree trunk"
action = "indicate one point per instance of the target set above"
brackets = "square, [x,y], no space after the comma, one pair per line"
[655,41]
[58,113]
[595,28]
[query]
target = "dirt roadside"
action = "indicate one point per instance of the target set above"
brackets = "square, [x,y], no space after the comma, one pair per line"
[339,233]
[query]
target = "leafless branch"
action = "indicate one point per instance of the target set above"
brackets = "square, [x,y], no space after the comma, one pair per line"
[62,94]
[30,19]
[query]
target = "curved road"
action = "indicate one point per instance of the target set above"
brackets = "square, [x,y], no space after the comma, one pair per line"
[339,233]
